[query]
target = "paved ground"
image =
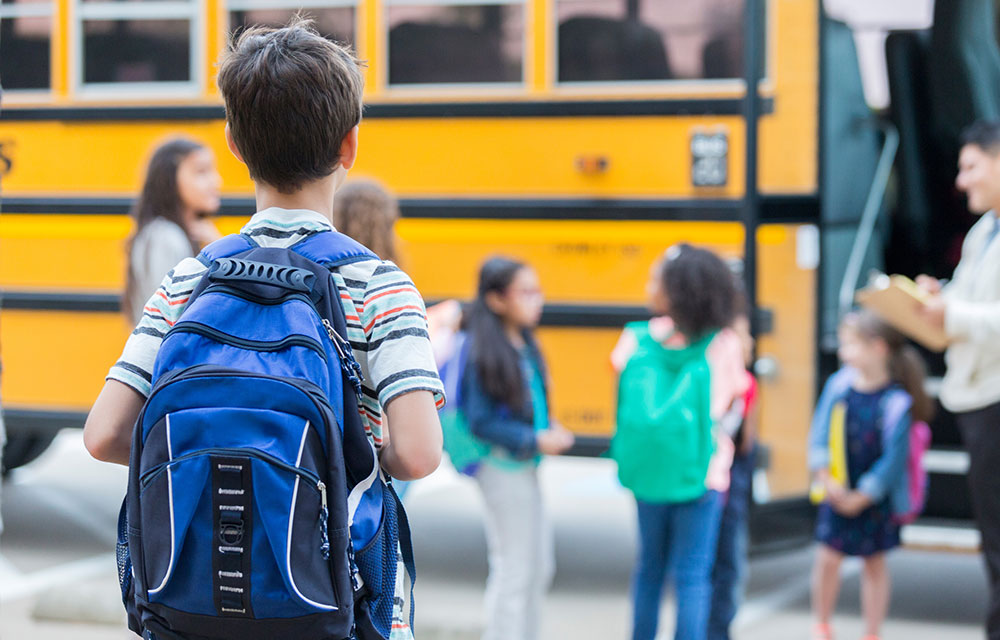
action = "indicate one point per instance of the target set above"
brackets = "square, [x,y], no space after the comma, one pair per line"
[57,569]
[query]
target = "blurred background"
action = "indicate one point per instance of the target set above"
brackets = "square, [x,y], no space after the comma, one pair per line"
[582,136]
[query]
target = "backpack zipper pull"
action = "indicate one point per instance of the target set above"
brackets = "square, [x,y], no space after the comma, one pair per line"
[347,362]
[324,515]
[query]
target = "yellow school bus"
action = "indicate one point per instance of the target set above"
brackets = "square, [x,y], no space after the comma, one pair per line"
[583,136]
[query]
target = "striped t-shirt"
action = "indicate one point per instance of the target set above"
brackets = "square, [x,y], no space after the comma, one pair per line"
[386,326]
[386,319]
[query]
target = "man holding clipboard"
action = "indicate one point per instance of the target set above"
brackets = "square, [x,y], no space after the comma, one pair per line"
[967,309]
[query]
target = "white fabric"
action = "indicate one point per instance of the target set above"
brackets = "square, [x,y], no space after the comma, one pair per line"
[521,552]
[972,321]
[156,250]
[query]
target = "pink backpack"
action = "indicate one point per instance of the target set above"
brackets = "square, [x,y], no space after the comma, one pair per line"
[920,441]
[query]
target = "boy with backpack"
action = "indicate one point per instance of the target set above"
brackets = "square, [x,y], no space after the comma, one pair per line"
[264,374]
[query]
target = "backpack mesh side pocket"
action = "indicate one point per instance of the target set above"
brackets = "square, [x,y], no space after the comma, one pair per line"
[378,565]
[123,557]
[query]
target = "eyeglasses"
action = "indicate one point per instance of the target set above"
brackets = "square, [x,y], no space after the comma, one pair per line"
[527,294]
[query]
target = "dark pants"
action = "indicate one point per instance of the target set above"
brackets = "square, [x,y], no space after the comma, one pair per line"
[981,433]
[729,573]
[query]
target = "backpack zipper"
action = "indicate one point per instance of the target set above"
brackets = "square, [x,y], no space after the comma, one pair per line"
[151,474]
[314,481]
[310,389]
[249,297]
[245,343]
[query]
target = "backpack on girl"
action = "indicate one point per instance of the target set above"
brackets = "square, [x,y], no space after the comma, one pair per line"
[865,447]
[665,437]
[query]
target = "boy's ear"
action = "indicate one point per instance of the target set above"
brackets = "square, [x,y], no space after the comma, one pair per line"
[348,152]
[232,144]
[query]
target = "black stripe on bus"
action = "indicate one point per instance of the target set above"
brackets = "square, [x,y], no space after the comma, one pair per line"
[448,208]
[775,208]
[36,421]
[778,208]
[60,301]
[554,315]
[496,109]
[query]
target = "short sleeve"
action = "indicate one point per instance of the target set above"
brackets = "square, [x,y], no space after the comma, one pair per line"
[135,366]
[394,319]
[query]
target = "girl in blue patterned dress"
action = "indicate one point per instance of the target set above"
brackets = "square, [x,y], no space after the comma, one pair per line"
[858,448]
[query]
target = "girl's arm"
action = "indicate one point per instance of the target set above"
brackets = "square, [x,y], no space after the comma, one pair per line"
[487,423]
[878,480]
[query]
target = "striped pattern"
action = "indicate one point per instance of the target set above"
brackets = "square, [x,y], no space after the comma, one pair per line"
[386,326]
[386,319]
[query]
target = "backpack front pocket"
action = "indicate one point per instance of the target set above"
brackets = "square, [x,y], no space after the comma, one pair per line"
[214,516]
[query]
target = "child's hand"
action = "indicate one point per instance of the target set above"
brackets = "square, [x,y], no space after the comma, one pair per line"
[554,440]
[834,490]
[203,231]
[850,503]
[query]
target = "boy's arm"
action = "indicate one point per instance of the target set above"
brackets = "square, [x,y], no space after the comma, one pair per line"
[414,449]
[108,431]
[402,373]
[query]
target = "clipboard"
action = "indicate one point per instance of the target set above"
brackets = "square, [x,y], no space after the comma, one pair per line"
[895,299]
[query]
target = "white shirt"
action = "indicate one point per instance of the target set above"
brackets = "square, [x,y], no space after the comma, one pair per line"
[972,322]
[157,248]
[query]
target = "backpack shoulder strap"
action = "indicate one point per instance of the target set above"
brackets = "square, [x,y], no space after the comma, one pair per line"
[225,247]
[332,249]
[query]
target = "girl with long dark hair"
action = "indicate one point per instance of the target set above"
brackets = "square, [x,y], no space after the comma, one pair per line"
[171,217]
[505,400]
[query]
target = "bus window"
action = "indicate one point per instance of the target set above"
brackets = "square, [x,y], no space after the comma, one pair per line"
[25,39]
[622,40]
[456,42]
[334,22]
[136,42]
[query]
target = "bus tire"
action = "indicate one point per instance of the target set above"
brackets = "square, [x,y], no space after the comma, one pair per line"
[23,448]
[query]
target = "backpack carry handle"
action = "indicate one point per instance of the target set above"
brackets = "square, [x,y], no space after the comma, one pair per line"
[285,277]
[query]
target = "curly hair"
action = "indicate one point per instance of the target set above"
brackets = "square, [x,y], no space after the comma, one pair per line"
[700,288]
[367,212]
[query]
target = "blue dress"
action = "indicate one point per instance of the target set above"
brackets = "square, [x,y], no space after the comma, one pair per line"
[873,530]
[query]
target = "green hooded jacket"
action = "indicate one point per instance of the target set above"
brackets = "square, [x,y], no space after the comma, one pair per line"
[663,441]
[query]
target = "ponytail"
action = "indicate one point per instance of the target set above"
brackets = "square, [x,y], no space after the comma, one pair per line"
[907,368]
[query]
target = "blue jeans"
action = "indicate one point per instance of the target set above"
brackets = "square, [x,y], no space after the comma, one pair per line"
[729,573]
[681,535]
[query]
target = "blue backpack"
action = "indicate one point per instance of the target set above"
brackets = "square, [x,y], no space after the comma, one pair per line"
[256,508]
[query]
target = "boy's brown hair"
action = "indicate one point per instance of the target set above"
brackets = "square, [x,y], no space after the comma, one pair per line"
[291,97]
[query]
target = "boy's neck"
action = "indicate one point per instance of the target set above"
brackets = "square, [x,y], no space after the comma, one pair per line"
[316,195]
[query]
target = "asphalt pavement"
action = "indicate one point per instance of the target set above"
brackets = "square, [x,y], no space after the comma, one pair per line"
[57,568]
